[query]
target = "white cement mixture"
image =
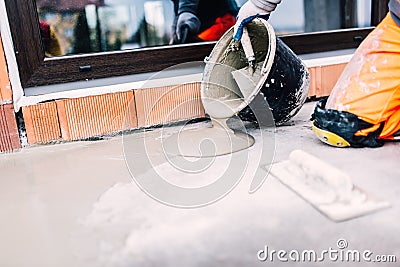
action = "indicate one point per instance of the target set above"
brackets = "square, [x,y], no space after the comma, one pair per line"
[228,87]
[221,102]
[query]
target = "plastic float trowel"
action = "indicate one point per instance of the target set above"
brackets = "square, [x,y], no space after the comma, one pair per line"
[325,187]
[233,76]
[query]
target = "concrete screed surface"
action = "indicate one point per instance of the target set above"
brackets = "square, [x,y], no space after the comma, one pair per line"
[74,204]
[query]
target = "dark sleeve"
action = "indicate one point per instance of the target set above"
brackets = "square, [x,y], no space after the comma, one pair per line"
[394,7]
[188,6]
[233,7]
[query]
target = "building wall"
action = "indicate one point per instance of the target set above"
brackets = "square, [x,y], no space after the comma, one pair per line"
[84,117]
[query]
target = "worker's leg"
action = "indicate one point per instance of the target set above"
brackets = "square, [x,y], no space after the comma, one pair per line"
[364,107]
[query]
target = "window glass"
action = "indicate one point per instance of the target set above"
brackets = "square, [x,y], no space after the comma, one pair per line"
[97,26]
[300,16]
[86,26]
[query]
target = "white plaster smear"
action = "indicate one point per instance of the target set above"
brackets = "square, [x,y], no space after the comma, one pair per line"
[326,61]
[135,230]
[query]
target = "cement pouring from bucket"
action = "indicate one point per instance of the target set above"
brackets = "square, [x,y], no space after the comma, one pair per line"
[230,84]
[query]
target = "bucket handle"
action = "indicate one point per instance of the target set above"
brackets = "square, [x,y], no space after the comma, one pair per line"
[271,49]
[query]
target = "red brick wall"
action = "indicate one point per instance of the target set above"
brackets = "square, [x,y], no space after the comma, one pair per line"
[9,137]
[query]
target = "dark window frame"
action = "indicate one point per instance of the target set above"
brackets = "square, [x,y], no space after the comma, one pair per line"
[36,70]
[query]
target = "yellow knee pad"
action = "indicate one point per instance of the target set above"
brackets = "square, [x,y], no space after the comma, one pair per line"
[329,137]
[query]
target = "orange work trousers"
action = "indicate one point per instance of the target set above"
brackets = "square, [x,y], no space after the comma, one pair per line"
[370,84]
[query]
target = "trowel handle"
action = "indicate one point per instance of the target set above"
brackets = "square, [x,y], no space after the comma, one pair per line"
[246,44]
[185,34]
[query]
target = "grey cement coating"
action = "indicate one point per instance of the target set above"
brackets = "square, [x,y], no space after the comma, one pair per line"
[212,141]
[75,204]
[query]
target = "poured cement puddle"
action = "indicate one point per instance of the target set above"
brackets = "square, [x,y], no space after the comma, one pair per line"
[208,142]
[213,141]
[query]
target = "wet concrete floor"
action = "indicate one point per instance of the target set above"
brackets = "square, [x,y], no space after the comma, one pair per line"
[76,204]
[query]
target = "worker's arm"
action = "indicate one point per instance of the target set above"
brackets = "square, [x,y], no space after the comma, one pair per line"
[250,10]
[188,6]
[187,21]
[394,7]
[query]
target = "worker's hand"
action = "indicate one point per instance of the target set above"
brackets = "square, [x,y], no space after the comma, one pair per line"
[187,24]
[250,10]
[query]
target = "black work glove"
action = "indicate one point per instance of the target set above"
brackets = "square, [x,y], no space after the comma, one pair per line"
[187,24]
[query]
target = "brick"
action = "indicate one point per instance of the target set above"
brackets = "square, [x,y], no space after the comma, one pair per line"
[41,122]
[329,76]
[324,78]
[315,76]
[9,136]
[96,115]
[167,104]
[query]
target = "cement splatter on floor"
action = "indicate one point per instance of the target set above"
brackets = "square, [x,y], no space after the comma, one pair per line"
[75,205]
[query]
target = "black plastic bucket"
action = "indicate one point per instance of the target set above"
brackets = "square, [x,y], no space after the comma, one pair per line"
[281,77]
[286,87]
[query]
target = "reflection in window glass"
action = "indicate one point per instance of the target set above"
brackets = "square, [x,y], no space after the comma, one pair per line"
[289,17]
[298,16]
[86,26]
